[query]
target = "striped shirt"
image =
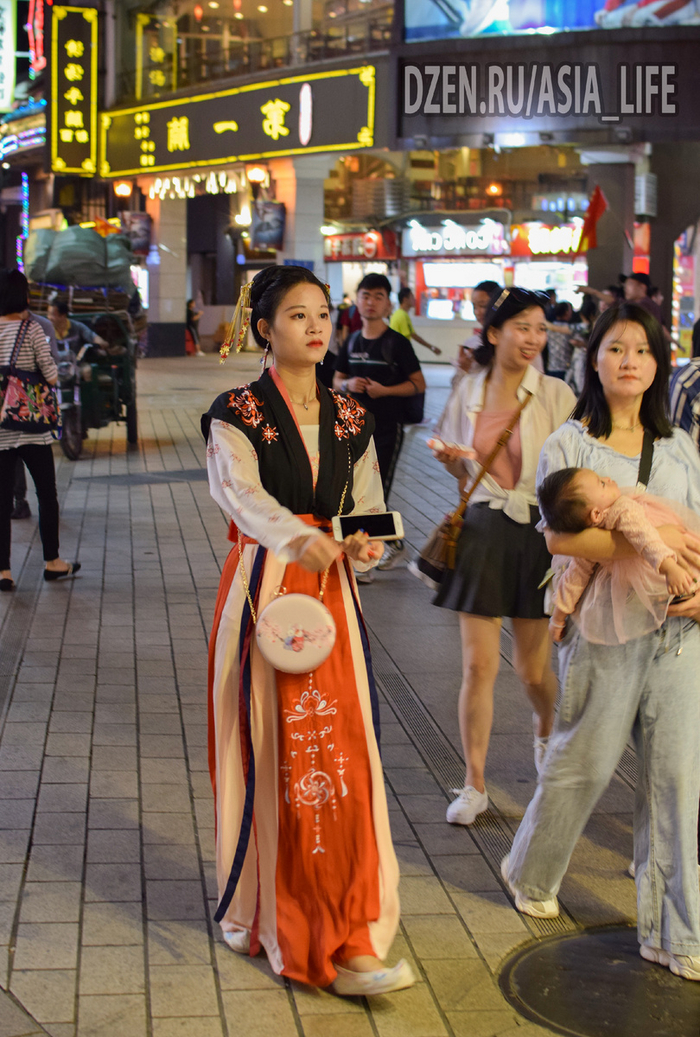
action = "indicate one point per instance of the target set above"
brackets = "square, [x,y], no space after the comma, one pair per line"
[685,399]
[34,355]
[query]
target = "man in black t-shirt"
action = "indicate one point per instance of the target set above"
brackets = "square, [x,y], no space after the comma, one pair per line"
[379,367]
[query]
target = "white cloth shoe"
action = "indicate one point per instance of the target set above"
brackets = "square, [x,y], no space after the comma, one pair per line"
[526,905]
[238,940]
[382,981]
[682,965]
[468,805]
[393,556]
[365,577]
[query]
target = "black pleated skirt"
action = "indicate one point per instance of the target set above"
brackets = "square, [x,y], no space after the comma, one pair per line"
[500,564]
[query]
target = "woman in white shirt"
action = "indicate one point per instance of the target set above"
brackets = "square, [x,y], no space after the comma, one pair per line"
[501,557]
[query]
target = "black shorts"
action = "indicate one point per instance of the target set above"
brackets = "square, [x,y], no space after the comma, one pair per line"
[500,564]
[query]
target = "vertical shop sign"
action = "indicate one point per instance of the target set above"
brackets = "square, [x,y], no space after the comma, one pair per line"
[7,54]
[74,90]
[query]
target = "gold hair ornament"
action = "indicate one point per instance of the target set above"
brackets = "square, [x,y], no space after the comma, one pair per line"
[238,328]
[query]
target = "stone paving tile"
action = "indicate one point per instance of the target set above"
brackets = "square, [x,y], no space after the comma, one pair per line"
[112,882]
[102,1015]
[48,994]
[46,946]
[51,902]
[183,990]
[260,1013]
[107,924]
[112,970]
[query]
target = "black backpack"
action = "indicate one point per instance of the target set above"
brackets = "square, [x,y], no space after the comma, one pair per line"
[412,407]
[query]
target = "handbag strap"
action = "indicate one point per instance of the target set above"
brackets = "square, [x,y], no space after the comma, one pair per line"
[326,572]
[500,443]
[646,458]
[19,342]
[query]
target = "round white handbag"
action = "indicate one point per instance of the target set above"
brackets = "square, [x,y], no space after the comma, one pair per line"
[295,633]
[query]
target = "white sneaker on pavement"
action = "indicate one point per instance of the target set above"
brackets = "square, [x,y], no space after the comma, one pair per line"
[395,554]
[382,981]
[366,577]
[469,803]
[238,940]
[526,905]
[682,965]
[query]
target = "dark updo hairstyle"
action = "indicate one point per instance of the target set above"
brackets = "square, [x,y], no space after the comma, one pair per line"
[269,289]
[505,304]
[592,407]
[13,292]
[562,506]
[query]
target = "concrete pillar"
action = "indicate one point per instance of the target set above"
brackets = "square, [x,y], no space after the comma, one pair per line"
[299,184]
[613,256]
[167,268]
[678,202]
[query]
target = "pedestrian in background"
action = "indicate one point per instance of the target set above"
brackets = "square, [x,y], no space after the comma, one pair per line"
[380,369]
[501,557]
[192,319]
[33,448]
[401,322]
[559,347]
[646,689]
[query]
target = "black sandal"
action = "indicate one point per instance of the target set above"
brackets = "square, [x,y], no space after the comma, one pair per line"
[60,574]
[7,584]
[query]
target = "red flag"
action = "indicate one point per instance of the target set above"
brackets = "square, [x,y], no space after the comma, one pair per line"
[596,207]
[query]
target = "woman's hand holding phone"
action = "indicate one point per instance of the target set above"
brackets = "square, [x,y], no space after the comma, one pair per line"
[359,548]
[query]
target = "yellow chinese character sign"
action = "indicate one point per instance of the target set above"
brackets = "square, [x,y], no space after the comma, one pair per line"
[296,115]
[73,103]
[273,123]
[179,134]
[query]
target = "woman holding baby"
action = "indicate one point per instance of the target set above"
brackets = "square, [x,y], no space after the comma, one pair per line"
[646,687]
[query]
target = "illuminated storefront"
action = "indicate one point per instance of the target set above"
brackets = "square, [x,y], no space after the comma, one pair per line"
[544,256]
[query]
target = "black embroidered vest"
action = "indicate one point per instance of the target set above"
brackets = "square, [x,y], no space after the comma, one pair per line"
[345,428]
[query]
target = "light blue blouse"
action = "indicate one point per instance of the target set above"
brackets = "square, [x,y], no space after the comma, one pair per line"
[675,468]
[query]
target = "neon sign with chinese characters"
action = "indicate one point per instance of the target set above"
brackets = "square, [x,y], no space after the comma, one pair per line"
[74,90]
[296,115]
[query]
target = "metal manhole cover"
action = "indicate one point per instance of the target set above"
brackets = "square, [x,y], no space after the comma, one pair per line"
[595,984]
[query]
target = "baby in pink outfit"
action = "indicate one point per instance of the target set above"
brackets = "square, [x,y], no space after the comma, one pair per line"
[574,499]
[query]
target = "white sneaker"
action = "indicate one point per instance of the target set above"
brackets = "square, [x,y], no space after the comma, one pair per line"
[382,981]
[366,577]
[526,905]
[393,556]
[682,965]
[238,940]
[469,803]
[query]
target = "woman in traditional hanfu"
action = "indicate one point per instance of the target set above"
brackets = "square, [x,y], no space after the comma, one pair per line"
[305,863]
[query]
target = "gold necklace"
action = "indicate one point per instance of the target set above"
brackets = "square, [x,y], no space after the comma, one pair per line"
[627,428]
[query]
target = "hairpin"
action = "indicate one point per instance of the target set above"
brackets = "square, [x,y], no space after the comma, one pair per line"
[238,328]
[501,298]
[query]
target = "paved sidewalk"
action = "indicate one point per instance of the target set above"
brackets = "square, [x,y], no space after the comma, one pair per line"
[106,822]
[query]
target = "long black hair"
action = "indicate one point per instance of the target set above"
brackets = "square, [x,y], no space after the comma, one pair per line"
[592,407]
[269,288]
[505,304]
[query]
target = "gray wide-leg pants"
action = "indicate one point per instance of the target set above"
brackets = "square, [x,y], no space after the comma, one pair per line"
[650,688]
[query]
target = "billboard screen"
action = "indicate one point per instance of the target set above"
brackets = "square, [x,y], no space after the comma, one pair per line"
[442,19]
